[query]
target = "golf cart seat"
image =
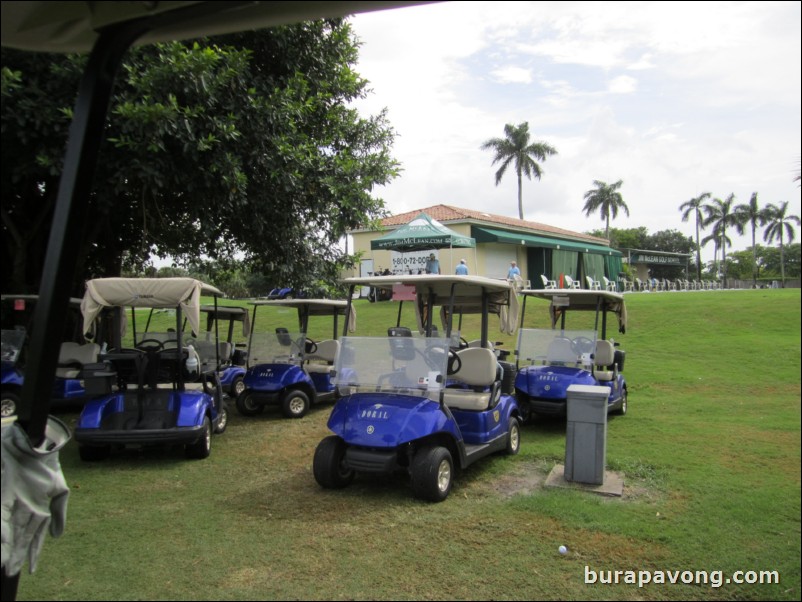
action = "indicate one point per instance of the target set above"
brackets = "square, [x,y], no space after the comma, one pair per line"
[478,369]
[73,356]
[602,359]
[478,343]
[226,351]
[323,358]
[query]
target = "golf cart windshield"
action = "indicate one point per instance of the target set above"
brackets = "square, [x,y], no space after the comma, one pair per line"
[543,347]
[12,341]
[395,364]
[280,347]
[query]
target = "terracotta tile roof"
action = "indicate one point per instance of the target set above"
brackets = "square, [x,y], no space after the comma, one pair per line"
[448,213]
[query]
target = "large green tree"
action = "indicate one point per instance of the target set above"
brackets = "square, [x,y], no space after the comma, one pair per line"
[517,149]
[244,145]
[606,199]
[779,225]
[695,207]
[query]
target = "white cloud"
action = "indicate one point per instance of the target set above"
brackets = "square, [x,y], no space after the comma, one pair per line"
[512,75]
[623,84]
[715,105]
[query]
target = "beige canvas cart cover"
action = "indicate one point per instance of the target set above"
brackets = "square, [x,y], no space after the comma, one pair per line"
[146,292]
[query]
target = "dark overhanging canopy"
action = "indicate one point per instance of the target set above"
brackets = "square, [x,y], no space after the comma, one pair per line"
[420,234]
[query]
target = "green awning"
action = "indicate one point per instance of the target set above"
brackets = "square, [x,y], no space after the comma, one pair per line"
[529,240]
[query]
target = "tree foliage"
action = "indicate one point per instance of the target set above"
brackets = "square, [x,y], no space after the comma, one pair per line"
[244,145]
[607,200]
[695,207]
[779,225]
[517,149]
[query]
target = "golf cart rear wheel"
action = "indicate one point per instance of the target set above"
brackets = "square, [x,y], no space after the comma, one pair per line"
[432,473]
[237,387]
[526,411]
[247,406]
[295,404]
[513,437]
[622,410]
[203,447]
[329,465]
[221,422]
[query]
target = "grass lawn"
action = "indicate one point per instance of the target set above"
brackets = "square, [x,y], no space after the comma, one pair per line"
[710,453]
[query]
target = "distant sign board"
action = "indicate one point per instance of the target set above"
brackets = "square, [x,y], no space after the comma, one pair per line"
[660,259]
[410,263]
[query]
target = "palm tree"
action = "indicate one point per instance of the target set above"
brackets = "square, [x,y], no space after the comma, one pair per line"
[777,223]
[607,199]
[750,213]
[718,240]
[517,149]
[695,206]
[720,215]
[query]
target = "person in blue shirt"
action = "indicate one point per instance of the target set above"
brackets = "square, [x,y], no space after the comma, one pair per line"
[513,271]
[462,269]
[432,265]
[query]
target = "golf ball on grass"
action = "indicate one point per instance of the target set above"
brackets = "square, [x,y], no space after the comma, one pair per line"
[563,550]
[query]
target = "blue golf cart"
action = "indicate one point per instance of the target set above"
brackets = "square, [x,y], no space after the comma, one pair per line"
[155,387]
[551,360]
[423,404]
[75,353]
[12,377]
[288,368]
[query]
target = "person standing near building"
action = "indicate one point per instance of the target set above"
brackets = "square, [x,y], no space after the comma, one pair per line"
[513,271]
[432,265]
[462,268]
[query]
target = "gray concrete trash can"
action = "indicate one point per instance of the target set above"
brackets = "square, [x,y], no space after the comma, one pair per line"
[586,434]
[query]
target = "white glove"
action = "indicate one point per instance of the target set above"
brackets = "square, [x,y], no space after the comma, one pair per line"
[34,493]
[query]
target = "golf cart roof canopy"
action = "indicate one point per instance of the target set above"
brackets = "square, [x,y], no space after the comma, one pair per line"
[467,291]
[582,300]
[146,292]
[314,307]
[228,312]
[75,26]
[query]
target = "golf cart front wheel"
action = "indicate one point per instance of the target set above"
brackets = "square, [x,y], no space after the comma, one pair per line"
[295,404]
[10,404]
[432,473]
[203,446]
[329,465]
[247,406]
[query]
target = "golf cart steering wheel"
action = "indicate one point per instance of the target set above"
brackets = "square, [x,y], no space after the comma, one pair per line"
[463,343]
[310,346]
[454,362]
[156,345]
[581,345]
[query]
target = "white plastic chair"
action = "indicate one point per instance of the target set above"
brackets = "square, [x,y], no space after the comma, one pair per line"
[570,282]
[548,283]
[609,285]
[593,285]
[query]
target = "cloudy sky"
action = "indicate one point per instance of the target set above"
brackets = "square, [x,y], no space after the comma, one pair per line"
[673,98]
